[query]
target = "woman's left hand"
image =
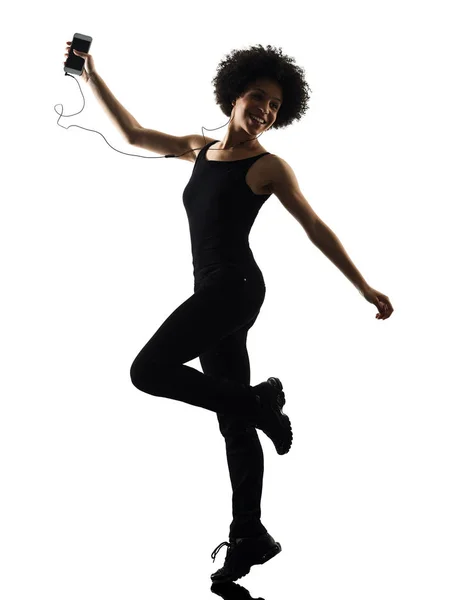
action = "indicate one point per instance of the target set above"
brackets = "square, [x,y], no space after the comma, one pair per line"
[380,300]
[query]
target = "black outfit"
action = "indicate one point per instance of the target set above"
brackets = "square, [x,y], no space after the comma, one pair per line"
[213,324]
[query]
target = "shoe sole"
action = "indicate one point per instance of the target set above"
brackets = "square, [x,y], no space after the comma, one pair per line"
[271,553]
[282,447]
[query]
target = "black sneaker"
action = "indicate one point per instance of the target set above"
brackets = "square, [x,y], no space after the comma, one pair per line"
[271,418]
[242,554]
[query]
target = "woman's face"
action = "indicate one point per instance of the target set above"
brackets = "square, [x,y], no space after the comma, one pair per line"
[263,99]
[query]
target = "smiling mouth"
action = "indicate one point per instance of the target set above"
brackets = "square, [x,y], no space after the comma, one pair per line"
[256,121]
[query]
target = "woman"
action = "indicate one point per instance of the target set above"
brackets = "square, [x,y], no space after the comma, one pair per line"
[230,182]
[222,200]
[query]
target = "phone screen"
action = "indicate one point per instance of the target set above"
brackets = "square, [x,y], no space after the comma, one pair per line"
[75,64]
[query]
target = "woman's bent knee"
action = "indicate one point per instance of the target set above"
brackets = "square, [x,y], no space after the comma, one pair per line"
[146,375]
[137,375]
[133,374]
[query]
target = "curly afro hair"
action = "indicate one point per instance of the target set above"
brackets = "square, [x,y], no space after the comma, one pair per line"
[240,68]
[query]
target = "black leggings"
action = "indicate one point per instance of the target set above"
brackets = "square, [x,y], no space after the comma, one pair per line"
[213,325]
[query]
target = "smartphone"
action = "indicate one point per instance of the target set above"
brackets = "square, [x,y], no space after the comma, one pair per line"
[75,64]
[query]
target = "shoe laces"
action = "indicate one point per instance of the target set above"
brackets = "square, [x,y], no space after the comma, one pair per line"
[220,546]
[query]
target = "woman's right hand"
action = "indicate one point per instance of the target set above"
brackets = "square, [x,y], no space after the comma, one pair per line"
[89,65]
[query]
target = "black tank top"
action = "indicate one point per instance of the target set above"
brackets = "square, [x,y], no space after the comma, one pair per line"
[221,209]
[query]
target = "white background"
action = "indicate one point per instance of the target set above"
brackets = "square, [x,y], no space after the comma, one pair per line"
[108,492]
